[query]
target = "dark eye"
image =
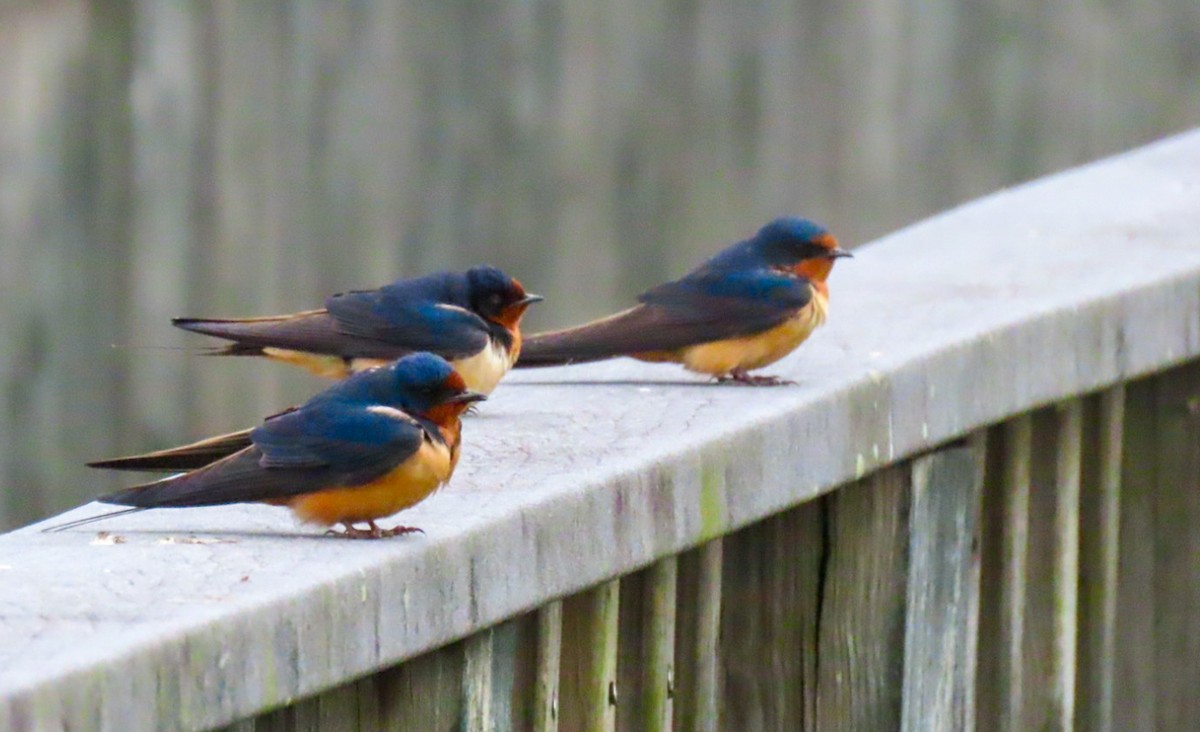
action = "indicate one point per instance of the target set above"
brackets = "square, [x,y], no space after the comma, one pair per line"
[495,299]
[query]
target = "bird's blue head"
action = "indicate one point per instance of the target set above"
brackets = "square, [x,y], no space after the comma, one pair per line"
[789,243]
[426,384]
[420,384]
[498,297]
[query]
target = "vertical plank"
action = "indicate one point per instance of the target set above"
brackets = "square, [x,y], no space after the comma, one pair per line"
[658,665]
[991,654]
[499,677]
[646,648]
[477,682]
[588,673]
[1039,699]
[1051,570]
[1176,540]
[770,614]
[1069,446]
[861,622]
[943,589]
[698,654]
[549,653]
[1100,519]
[1134,697]
[424,693]
[1000,684]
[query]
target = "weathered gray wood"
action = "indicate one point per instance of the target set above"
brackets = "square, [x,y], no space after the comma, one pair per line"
[588,676]
[1135,696]
[770,610]
[646,661]
[942,604]
[549,655]
[860,625]
[1007,645]
[1051,579]
[424,693]
[1068,444]
[991,699]
[499,677]
[1176,540]
[1100,520]
[564,485]
[698,651]
[477,683]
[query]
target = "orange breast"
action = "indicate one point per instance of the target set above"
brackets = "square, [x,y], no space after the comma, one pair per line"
[718,358]
[408,484]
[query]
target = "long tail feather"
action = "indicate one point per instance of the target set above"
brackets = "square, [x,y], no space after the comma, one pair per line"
[182,458]
[594,341]
[92,519]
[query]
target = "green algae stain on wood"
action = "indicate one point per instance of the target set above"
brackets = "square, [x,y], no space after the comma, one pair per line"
[712,500]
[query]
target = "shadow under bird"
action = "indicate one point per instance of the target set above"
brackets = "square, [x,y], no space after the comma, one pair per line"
[471,319]
[368,447]
[745,308]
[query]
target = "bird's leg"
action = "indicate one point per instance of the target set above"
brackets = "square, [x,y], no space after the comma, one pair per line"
[374,532]
[394,531]
[350,532]
[741,376]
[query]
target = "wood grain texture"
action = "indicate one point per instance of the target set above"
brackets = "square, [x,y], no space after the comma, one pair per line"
[646,656]
[770,615]
[1176,540]
[1134,702]
[698,653]
[1010,523]
[1068,444]
[860,626]
[588,675]
[549,656]
[1100,527]
[425,693]
[942,603]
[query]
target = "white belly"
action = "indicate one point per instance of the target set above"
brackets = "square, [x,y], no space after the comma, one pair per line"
[485,369]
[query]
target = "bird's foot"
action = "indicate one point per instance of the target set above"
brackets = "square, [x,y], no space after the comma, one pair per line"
[373,532]
[740,376]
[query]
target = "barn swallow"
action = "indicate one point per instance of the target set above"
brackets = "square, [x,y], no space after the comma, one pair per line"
[745,308]
[377,443]
[471,319]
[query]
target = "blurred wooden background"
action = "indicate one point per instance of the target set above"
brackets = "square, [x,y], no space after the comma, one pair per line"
[224,158]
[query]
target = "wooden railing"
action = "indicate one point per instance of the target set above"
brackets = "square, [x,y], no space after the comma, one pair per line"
[979,507]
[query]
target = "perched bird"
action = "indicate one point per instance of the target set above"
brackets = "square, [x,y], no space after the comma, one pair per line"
[471,319]
[377,443]
[745,308]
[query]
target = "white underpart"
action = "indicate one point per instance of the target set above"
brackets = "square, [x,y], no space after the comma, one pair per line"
[485,369]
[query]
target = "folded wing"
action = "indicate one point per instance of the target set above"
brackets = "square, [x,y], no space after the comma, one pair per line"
[703,307]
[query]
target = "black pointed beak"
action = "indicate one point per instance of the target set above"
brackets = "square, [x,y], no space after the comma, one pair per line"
[529,299]
[467,397]
[838,253]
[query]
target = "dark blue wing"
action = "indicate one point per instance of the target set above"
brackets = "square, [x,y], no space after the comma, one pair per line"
[292,454]
[352,440]
[708,305]
[400,317]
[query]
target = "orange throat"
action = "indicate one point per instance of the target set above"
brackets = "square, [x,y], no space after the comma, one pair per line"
[816,270]
[448,419]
